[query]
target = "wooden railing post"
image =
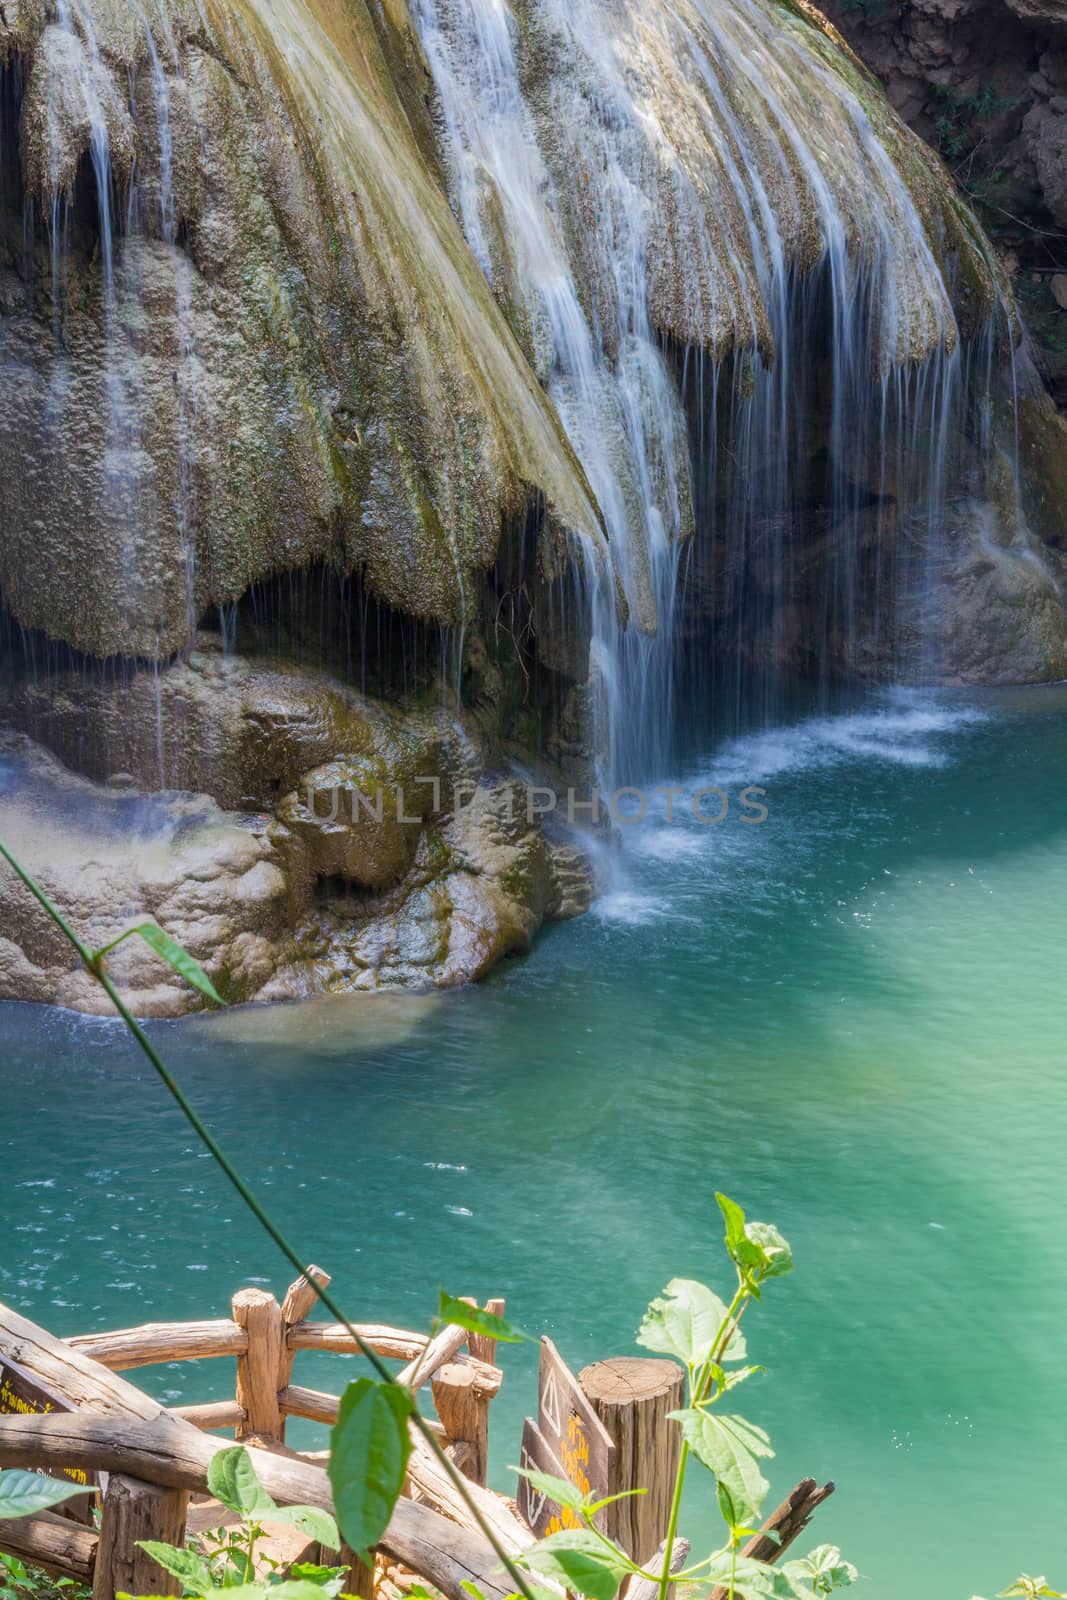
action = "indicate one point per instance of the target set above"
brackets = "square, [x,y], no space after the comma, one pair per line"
[480,1344]
[462,1403]
[299,1299]
[134,1510]
[632,1396]
[359,1579]
[464,1414]
[260,1315]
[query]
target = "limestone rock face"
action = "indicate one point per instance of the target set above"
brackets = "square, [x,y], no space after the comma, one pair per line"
[339,844]
[1043,13]
[111,860]
[282,352]
[250,334]
[985,81]
[481,881]
[1043,453]
[996,609]
[1045,132]
[240,731]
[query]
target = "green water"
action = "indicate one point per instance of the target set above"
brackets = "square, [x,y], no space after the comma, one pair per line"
[850,1017]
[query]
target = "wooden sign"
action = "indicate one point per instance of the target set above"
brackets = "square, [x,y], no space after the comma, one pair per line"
[543,1515]
[21,1395]
[575,1434]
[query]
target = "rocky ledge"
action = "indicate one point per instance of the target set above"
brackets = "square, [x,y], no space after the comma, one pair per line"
[306,839]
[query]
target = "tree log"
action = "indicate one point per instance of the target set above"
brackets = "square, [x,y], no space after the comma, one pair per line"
[632,1396]
[299,1299]
[215,1414]
[260,1315]
[464,1414]
[62,1547]
[124,1348]
[441,1348]
[67,1370]
[393,1343]
[131,1433]
[301,1296]
[134,1510]
[429,1479]
[296,1401]
[645,1588]
[170,1452]
[359,1579]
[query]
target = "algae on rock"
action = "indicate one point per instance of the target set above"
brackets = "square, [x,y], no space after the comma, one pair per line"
[289,356]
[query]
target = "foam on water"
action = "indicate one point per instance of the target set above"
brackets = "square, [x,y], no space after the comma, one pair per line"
[628,906]
[671,863]
[898,731]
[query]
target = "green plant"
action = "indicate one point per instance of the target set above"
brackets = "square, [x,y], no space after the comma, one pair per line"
[692,1325]
[24,1494]
[228,1559]
[1029,1589]
[20,1580]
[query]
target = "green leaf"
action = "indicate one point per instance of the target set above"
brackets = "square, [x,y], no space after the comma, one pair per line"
[23,1494]
[192,1570]
[369,1449]
[328,1580]
[231,1478]
[728,1447]
[175,955]
[727,1509]
[121,1594]
[475,1320]
[734,1218]
[312,1520]
[824,1569]
[685,1322]
[294,1589]
[756,1580]
[290,1589]
[777,1252]
[745,1251]
[757,1247]
[559,1490]
[580,1561]
[591,1507]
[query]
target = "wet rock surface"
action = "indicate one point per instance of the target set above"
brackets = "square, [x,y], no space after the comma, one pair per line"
[339,844]
[985,83]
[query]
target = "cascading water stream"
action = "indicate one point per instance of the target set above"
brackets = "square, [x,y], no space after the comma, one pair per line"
[842,339]
[724,263]
[609,383]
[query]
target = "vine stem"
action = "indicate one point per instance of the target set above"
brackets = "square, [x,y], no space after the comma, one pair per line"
[722,1340]
[96,967]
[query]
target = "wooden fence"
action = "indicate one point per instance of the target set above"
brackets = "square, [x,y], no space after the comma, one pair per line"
[73,1414]
[80,1417]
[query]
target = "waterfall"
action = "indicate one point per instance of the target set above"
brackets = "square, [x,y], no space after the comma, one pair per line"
[665,269]
[584,140]
[605,372]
